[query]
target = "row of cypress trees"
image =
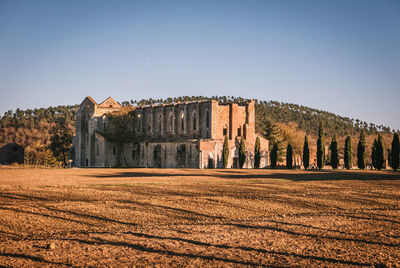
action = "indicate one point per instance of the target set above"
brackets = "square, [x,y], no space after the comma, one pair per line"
[377,156]
[377,152]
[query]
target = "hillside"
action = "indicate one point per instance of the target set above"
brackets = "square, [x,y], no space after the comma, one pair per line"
[31,127]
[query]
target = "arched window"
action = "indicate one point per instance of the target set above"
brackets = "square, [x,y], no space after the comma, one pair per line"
[194,121]
[171,121]
[139,118]
[207,119]
[160,122]
[150,123]
[182,121]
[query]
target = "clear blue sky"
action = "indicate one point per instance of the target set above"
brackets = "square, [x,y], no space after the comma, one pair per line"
[339,56]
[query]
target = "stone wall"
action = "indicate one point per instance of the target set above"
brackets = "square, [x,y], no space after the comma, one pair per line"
[187,135]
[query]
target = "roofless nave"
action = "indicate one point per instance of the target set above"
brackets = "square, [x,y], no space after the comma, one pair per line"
[189,135]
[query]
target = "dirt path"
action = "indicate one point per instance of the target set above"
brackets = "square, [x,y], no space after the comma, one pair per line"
[148,217]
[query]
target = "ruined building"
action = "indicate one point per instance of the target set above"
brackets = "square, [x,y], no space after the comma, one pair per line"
[189,135]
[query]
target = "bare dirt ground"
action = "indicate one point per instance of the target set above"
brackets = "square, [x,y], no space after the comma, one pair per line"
[182,217]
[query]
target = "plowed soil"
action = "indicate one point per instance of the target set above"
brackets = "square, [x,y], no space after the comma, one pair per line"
[182,217]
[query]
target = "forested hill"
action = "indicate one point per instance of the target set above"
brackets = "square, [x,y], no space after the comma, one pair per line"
[26,127]
[32,126]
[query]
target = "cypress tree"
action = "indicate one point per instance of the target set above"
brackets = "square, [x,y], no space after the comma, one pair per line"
[242,152]
[395,151]
[289,156]
[321,146]
[334,153]
[348,154]
[274,155]
[225,152]
[380,153]
[306,153]
[257,154]
[361,151]
[275,136]
[373,155]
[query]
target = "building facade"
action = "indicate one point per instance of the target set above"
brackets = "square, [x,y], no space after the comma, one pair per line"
[179,135]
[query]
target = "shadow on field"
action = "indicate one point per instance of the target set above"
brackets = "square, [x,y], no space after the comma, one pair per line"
[88,216]
[32,258]
[177,210]
[312,235]
[299,175]
[194,242]
[99,241]
[21,211]
[137,246]
[22,197]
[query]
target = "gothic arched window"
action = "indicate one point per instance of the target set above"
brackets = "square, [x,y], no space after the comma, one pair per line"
[182,121]
[150,123]
[160,122]
[194,121]
[207,119]
[171,121]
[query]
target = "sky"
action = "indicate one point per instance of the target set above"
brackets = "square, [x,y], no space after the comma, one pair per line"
[341,56]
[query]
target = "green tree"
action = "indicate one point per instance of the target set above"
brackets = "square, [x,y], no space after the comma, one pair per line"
[274,155]
[380,153]
[348,154]
[395,153]
[61,140]
[361,151]
[274,134]
[374,153]
[334,152]
[321,146]
[225,152]
[389,153]
[39,155]
[242,152]
[257,153]
[289,156]
[306,153]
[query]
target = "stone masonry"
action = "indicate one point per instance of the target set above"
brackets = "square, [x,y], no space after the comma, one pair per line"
[179,135]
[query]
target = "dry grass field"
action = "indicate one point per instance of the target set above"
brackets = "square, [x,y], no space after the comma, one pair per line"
[182,217]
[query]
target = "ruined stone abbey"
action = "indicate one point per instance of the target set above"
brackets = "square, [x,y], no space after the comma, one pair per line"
[189,135]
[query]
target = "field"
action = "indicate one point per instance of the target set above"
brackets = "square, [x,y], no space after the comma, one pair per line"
[183,217]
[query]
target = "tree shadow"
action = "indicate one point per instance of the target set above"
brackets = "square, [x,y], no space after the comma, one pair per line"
[22,197]
[314,175]
[312,235]
[99,241]
[78,214]
[45,215]
[32,258]
[205,244]
[179,210]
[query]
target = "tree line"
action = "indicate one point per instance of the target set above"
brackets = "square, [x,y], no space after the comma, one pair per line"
[377,155]
[281,123]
